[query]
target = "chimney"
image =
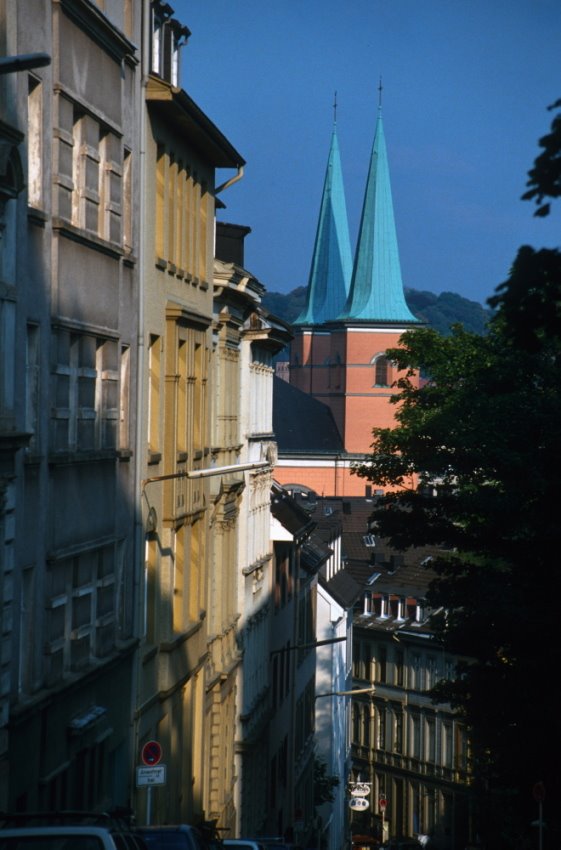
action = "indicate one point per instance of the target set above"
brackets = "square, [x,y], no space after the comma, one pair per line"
[230,242]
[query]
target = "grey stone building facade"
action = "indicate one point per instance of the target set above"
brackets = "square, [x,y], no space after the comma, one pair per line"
[68,286]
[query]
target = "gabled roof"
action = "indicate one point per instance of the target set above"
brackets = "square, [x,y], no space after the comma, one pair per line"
[330,272]
[343,587]
[302,424]
[376,293]
[290,515]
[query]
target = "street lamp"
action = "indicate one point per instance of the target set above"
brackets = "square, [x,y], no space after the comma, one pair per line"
[23,62]
[371,690]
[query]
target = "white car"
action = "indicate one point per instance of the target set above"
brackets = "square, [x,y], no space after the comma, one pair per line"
[57,838]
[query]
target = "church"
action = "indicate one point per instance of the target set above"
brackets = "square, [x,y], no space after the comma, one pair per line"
[340,380]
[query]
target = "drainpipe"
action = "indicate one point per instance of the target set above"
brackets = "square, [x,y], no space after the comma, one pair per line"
[230,182]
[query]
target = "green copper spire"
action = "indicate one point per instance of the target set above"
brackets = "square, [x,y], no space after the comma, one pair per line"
[376,293]
[330,273]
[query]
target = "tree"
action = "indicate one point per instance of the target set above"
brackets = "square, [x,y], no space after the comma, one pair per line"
[482,438]
[324,783]
[545,177]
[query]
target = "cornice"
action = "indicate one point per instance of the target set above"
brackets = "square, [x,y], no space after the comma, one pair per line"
[98,27]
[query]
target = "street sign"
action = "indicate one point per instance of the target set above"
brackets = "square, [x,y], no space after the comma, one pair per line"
[382,802]
[361,789]
[151,754]
[538,792]
[358,804]
[148,776]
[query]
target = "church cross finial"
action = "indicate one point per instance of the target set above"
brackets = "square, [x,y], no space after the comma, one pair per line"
[335,108]
[380,89]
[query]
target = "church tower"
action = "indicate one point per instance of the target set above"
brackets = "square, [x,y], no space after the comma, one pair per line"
[338,354]
[375,314]
[328,284]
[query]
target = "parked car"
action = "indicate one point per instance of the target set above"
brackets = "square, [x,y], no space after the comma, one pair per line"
[57,838]
[242,844]
[68,830]
[179,837]
[271,843]
[402,844]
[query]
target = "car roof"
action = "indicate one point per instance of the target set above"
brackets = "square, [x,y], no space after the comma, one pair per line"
[69,829]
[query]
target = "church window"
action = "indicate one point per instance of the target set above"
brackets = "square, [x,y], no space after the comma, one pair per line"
[381,370]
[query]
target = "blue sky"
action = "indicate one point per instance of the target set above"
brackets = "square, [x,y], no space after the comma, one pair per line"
[466,85]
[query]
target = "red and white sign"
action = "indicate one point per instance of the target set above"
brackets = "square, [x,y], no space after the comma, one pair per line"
[151,753]
[382,802]
[538,792]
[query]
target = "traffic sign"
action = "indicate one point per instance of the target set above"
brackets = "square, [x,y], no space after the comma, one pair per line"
[151,754]
[151,775]
[382,802]
[538,792]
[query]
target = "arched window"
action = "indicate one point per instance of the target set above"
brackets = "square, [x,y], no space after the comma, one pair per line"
[381,370]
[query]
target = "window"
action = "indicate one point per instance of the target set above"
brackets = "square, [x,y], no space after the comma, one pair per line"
[85,377]
[85,171]
[382,664]
[381,730]
[34,143]
[415,749]
[430,731]
[97,177]
[461,755]
[381,370]
[168,36]
[124,437]
[362,660]
[154,382]
[431,677]
[7,349]
[416,672]
[448,754]
[7,564]
[127,200]
[366,725]
[110,187]
[32,360]
[355,723]
[398,732]
[399,668]
[81,608]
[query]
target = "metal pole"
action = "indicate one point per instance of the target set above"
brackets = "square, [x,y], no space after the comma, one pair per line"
[148,805]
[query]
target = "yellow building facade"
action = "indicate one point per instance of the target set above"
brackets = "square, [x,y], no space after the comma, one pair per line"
[173,703]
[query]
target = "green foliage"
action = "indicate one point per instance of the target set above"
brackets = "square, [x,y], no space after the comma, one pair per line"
[545,176]
[482,437]
[323,783]
[442,312]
